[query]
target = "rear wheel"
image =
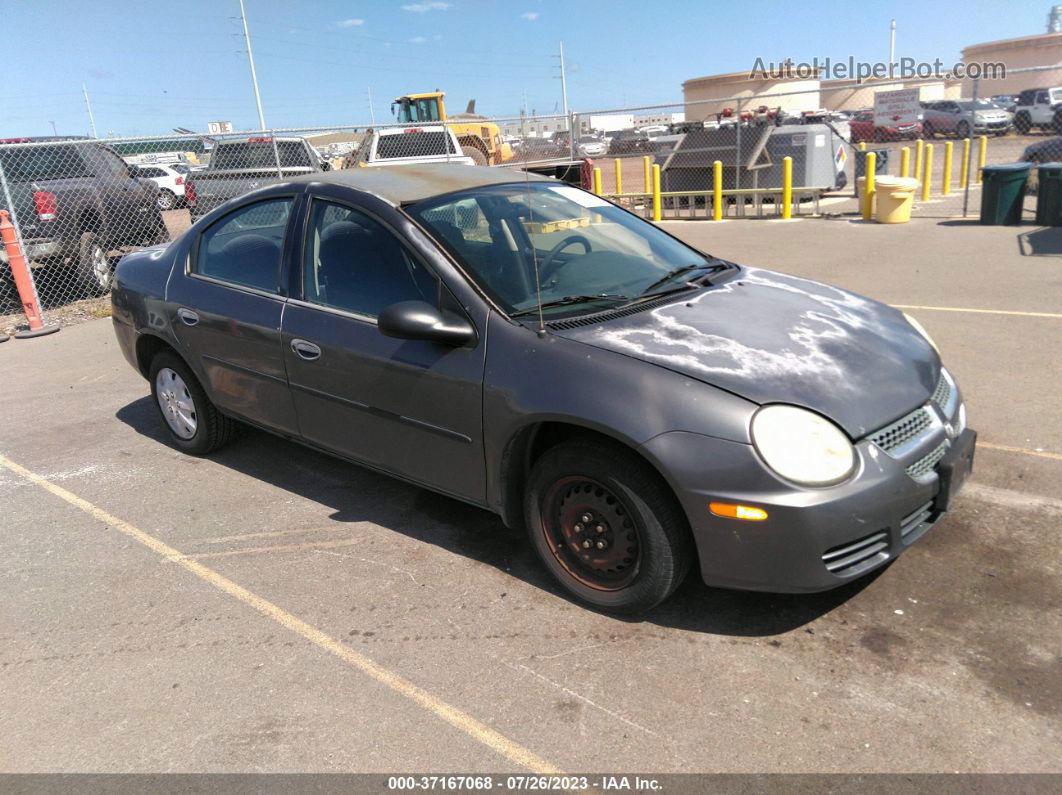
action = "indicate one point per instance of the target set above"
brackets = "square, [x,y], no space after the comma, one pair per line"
[93,265]
[193,423]
[476,154]
[166,200]
[605,525]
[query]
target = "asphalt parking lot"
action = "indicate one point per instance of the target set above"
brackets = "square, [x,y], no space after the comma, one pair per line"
[272,609]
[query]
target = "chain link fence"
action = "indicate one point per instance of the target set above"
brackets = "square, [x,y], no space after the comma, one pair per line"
[78,204]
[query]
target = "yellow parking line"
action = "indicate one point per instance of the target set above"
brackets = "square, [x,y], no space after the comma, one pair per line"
[1055,315]
[478,731]
[1006,448]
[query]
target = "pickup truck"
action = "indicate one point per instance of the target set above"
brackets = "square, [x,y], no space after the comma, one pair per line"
[239,165]
[1038,107]
[410,145]
[75,201]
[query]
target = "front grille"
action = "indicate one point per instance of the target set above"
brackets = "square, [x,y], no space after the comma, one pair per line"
[924,465]
[903,430]
[942,394]
[857,556]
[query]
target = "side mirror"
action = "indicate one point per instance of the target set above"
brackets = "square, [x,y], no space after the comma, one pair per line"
[326,166]
[419,320]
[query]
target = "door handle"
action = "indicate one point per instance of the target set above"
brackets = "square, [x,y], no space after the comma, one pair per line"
[306,350]
[187,316]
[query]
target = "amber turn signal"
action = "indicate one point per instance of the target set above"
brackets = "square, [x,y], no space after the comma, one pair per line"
[731,511]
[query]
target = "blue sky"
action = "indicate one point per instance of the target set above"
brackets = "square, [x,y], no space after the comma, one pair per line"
[150,65]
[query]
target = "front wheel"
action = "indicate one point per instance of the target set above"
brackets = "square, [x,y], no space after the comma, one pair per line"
[1022,123]
[963,130]
[166,200]
[606,526]
[476,154]
[192,421]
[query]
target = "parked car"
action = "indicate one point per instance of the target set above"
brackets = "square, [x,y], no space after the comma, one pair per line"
[591,146]
[239,165]
[1009,102]
[638,406]
[76,201]
[863,128]
[964,118]
[627,142]
[397,146]
[1039,108]
[170,181]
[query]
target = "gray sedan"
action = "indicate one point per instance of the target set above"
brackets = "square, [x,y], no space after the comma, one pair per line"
[639,407]
[965,118]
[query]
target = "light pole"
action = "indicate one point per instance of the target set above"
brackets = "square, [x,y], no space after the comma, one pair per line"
[250,60]
[88,105]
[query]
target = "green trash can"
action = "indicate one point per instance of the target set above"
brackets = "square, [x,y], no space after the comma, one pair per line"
[1049,194]
[1003,193]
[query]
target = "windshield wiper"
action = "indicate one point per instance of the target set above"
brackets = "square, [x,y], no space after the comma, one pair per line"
[649,292]
[570,300]
[672,274]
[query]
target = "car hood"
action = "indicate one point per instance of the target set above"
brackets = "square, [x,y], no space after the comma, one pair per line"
[774,338]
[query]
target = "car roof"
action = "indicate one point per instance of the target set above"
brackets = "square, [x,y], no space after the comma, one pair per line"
[411,183]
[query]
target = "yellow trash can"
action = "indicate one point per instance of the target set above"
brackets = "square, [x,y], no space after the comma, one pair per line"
[893,197]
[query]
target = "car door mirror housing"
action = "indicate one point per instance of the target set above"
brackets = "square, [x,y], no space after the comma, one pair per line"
[419,320]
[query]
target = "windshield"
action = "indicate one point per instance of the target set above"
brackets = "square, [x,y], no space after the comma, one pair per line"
[259,154]
[419,110]
[582,245]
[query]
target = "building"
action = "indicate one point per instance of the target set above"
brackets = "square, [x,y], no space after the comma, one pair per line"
[658,118]
[706,97]
[1044,49]
[853,95]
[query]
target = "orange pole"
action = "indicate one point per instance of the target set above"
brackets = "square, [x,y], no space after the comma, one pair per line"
[27,293]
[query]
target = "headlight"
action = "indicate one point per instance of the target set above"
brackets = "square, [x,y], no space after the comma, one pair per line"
[918,327]
[802,446]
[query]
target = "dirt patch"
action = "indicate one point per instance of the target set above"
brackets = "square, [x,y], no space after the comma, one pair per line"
[71,314]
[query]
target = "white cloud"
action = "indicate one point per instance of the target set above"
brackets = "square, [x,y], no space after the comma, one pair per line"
[418,40]
[421,8]
[350,23]
[530,16]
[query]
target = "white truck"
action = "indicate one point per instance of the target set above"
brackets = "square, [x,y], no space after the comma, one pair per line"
[1039,107]
[397,146]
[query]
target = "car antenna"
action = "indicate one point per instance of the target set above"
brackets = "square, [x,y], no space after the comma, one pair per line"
[534,252]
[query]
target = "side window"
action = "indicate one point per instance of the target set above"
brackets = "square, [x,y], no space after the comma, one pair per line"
[245,246]
[354,263]
[108,164]
[1041,97]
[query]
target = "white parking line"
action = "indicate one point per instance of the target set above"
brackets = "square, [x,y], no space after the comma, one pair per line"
[1053,315]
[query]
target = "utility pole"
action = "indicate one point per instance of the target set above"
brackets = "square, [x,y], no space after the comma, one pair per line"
[564,90]
[250,60]
[88,105]
[53,129]
[892,47]
[372,113]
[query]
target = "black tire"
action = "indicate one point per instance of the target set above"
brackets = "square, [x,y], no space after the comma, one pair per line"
[94,268]
[962,129]
[928,131]
[1022,123]
[650,548]
[1056,122]
[475,153]
[166,200]
[213,429]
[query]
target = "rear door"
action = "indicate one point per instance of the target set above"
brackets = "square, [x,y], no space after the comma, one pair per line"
[409,407]
[227,304]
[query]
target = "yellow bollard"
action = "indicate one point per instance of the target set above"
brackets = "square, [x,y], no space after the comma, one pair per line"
[787,187]
[648,179]
[927,171]
[868,187]
[717,190]
[919,146]
[862,146]
[619,177]
[982,150]
[965,176]
[657,215]
[597,181]
[905,161]
[946,176]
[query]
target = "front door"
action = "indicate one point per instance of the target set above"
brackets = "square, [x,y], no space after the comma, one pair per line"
[409,407]
[228,305]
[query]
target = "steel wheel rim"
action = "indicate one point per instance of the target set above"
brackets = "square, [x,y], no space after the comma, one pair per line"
[176,402]
[101,268]
[568,531]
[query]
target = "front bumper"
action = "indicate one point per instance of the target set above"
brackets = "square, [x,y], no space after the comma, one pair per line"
[813,539]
